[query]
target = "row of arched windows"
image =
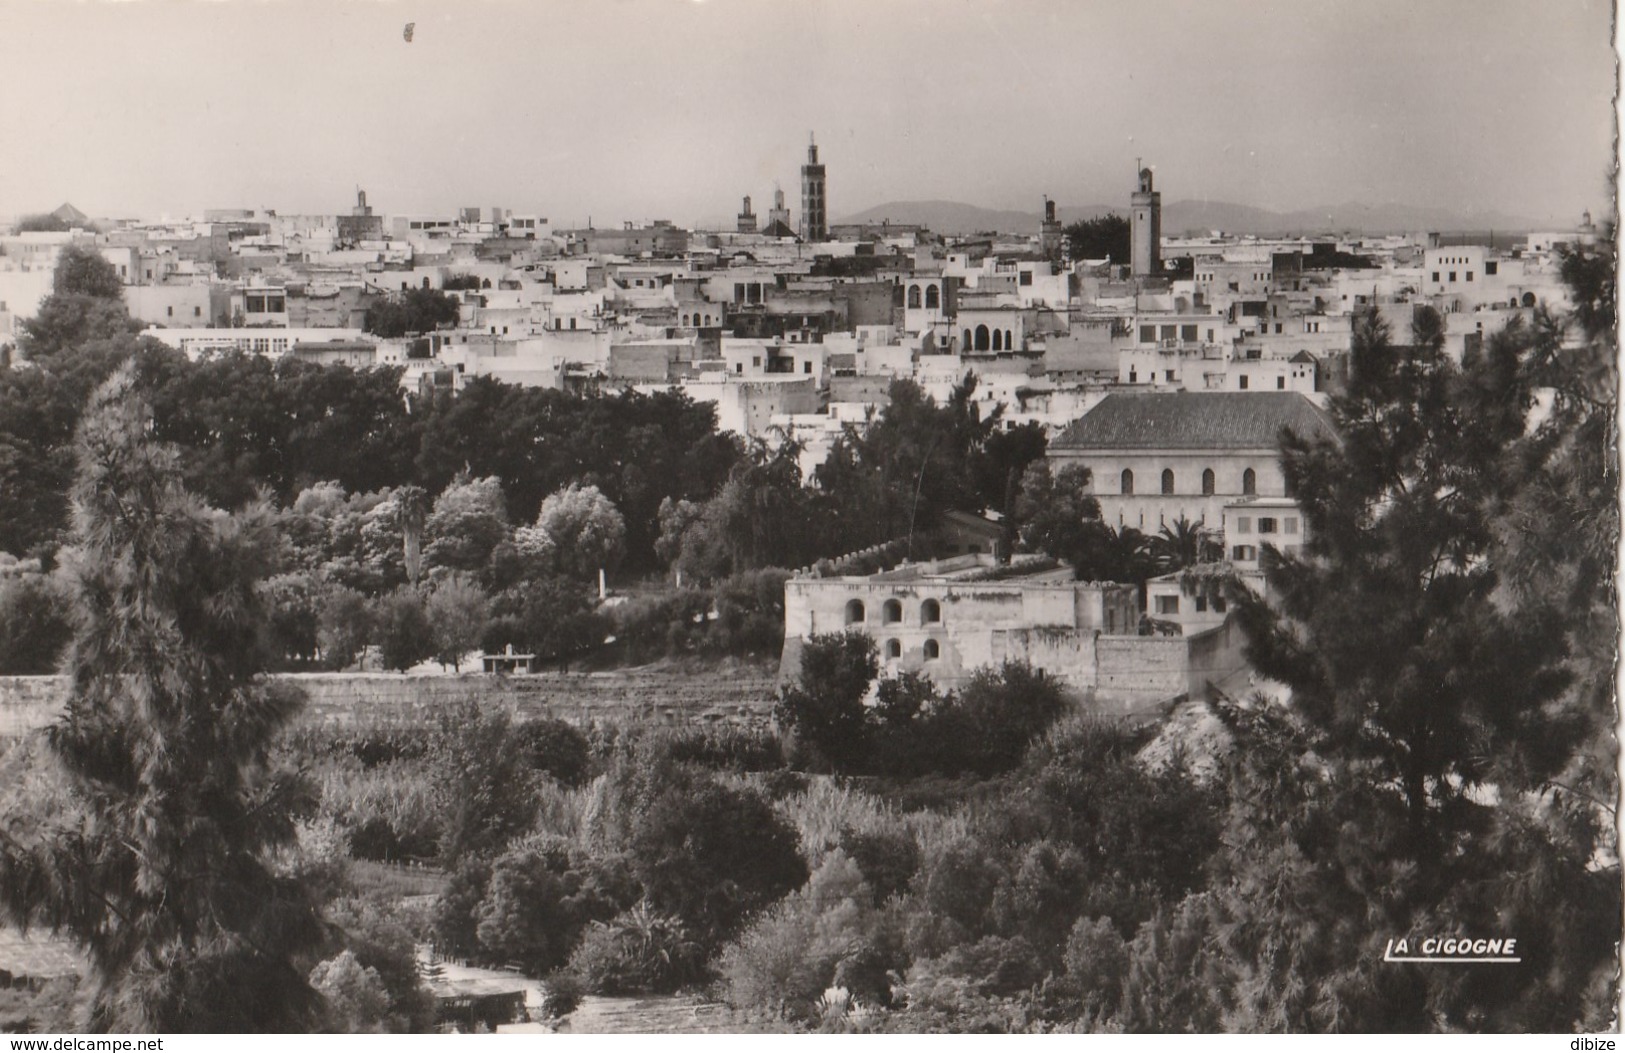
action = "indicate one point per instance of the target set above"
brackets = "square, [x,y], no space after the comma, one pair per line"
[891,612]
[1249,481]
[933,297]
[699,319]
[985,339]
[931,649]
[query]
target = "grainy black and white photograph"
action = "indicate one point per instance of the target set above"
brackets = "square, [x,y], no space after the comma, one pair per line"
[808,517]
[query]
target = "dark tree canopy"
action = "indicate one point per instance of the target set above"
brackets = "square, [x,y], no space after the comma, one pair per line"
[75,320]
[411,312]
[86,272]
[43,222]
[825,708]
[1100,238]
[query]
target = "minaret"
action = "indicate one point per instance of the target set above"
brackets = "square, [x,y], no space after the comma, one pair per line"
[1588,230]
[1049,235]
[747,218]
[814,217]
[1146,229]
[778,213]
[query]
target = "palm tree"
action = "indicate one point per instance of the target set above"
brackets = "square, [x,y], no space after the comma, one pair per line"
[413,502]
[1181,544]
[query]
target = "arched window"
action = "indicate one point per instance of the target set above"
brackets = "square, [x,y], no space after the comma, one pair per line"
[998,340]
[1529,299]
[1128,481]
[933,297]
[894,649]
[1207,481]
[1167,480]
[930,612]
[854,612]
[685,319]
[914,296]
[1009,341]
[932,650]
[964,344]
[981,338]
[891,612]
[1249,482]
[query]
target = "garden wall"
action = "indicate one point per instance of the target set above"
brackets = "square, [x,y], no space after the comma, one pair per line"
[728,697]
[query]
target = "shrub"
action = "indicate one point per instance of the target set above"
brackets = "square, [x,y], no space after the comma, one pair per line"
[551,618]
[750,613]
[457,610]
[401,629]
[987,726]
[782,784]
[796,950]
[343,625]
[383,944]
[376,838]
[353,997]
[951,896]
[1144,837]
[713,855]
[555,748]
[1096,963]
[540,897]
[640,951]
[294,601]
[888,859]
[34,624]
[727,748]
[824,709]
[991,966]
[561,994]
[1041,896]
[483,785]
[455,919]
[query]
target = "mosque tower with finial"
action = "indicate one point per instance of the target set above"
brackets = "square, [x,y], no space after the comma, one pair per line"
[814,214]
[1145,227]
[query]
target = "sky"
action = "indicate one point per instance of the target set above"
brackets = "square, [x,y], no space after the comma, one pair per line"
[638,109]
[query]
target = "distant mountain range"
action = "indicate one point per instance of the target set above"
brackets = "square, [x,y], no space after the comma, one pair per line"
[1181,217]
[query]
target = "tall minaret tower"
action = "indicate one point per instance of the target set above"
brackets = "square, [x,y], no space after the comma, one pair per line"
[1145,225]
[746,218]
[814,214]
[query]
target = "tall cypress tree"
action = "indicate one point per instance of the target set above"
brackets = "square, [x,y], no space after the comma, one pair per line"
[159,860]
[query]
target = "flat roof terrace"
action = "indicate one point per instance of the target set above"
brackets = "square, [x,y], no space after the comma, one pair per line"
[979,567]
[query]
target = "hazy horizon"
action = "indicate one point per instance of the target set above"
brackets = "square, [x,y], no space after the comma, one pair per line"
[637,109]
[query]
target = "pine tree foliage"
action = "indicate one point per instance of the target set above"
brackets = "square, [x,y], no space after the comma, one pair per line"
[160,861]
[1449,634]
[1394,639]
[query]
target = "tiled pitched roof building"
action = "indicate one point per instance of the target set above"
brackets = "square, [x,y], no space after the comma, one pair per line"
[1156,457]
[1194,420]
